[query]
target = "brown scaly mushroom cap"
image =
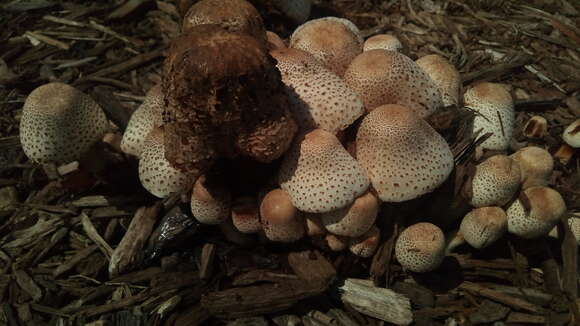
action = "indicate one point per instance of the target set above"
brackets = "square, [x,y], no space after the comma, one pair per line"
[297,10]
[211,203]
[536,165]
[495,108]
[319,98]
[246,215]
[483,226]
[382,42]
[445,76]
[276,42]
[60,123]
[334,41]
[231,15]
[155,172]
[224,98]
[495,181]
[320,175]
[355,219]
[535,213]
[281,221]
[147,116]
[420,247]
[366,245]
[402,154]
[389,77]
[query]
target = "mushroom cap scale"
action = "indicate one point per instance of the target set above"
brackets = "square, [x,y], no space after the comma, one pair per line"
[445,76]
[571,134]
[536,165]
[320,175]
[382,42]
[483,226]
[403,156]
[366,244]
[60,123]
[246,215]
[355,219]
[420,247]
[495,181]
[210,202]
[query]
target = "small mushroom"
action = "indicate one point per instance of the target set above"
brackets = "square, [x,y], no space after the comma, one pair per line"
[495,114]
[389,77]
[402,154]
[59,124]
[246,215]
[147,116]
[320,175]
[536,165]
[420,247]
[571,137]
[297,10]
[281,221]
[483,226]
[155,172]
[445,76]
[336,242]
[535,128]
[211,202]
[535,213]
[574,224]
[355,219]
[495,181]
[334,41]
[365,245]
[386,42]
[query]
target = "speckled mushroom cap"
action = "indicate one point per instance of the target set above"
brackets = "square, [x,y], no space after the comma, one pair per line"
[281,221]
[382,42]
[495,181]
[535,213]
[445,76]
[223,103]
[353,220]
[231,15]
[389,77]
[492,102]
[297,10]
[536,165]
[365,245]
[147,116]
[211,202]
[319,98]
[483,226]
[60,123]
[402,154]
[320,175]
[334,41]
[420,247]
[571,134]
[246,215]
[155,172]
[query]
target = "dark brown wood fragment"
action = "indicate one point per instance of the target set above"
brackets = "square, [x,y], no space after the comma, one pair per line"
[311,266]
[506,299]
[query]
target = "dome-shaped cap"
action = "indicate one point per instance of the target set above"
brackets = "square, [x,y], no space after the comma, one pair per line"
[536,165]
[389,77]
[365,245]
[403,156]
[147,116]
[386,42]
[483,226]
[571,134]
[246,215]
[60,123]
[495,181]
[319,98]
[535,213]
[334,41]
[155,172]
[420,247]
[355,219]
[320,175]
[495,113]
[281,221]
[211,202]
[445,76]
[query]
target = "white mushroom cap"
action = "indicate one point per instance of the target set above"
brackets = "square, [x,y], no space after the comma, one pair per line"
[366,245]
[382,42]
[210,203]
[334,41]
[571,134]
[535,213]
[155,172]
[495,181]
[143,120]
[420,247]
[320,175]
[536,127]
[402,154]
[281,221]
[492,102]
[355,219]
[336,242]
[319,98]
[389,77]
[246,215]
[445,76]
[60,123]
[536,165]
[483,226]
[297,10]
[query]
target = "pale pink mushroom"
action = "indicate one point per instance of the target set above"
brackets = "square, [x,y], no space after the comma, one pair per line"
[246,215]
[355,219]
[495,181]
[535,213]
[211,202]
[420,247]
[281,221]
[445,76]
[536,165]
[386,42]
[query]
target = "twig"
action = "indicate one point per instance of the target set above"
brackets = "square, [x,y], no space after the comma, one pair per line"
[94,235]
[35,37]
[74,260]
[501,297]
